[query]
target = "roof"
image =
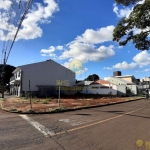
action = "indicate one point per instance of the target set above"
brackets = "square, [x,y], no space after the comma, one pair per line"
[16,70]
[84,82]
[125,76]
[122,80]
[100,81]
[21,67]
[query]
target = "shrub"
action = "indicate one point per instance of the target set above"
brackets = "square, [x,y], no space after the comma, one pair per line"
[57,109]
[45,101]
[87,105]
[30,111]
[13,109]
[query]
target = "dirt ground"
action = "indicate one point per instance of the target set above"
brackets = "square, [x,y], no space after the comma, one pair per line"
[51,104]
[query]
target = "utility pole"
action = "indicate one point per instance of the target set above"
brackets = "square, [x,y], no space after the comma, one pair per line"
[3,72]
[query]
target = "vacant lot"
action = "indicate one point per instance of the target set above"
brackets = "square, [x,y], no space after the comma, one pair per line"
[16,104]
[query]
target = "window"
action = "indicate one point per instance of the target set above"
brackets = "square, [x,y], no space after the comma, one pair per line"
[19,74]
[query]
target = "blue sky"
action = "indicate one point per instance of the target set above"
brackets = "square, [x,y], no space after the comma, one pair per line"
[64,30]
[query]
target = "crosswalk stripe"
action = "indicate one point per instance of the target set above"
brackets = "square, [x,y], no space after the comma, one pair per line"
[38,126]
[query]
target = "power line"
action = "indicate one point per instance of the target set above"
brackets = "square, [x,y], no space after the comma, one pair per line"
[8,37]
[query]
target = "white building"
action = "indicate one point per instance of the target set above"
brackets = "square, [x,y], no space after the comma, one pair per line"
[122,83]
[42,74]
[100,87]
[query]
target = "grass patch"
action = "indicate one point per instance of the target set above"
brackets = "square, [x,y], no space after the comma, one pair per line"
[13,109]
[57,109]
[30,111]
[46,101]
[87,105]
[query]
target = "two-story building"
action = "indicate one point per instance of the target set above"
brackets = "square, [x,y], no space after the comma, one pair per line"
[43,77]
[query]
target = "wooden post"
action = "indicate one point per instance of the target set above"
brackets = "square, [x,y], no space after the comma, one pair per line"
[59,95]
[30,96]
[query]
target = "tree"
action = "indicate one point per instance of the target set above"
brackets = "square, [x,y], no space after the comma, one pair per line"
[93,77]
[7,73]
[139,20]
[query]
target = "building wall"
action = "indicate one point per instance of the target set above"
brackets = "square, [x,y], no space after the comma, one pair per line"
[114,81]
[45,73]
[121,90]
[129,79]
[133,89]
[100,89]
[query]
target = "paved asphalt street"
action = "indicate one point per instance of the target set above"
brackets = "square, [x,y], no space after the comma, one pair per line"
[123,126]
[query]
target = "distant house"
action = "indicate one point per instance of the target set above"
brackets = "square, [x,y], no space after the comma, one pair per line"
[124,84]
[43,76]
[100,87]
[129,78]
[144,83]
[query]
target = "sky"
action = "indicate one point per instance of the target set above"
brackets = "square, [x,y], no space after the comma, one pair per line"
[65,30]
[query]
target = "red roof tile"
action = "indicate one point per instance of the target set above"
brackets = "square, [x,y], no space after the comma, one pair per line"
[100,82]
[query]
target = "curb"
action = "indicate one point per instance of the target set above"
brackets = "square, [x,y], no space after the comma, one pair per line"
[72,109]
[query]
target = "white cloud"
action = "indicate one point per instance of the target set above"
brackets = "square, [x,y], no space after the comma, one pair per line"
[145,70]
[125,12]
[59,47]
[87,52]
[142,58]
[5,4]
[84,47]
[31,25]
[96,36]
[125,66]
[66,64]
[141,2]
[107,68]
[50,50]
[83,71]
[122,66]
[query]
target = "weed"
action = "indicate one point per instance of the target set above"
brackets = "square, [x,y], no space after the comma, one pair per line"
[13,109]
[45,101]
[87,105]
[30,111]
[35,101]
[27,95]
[19,111]
[57,109]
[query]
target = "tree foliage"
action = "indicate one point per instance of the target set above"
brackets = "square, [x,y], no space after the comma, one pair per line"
[127,2]
[7,73]
[139,21]
[92,77]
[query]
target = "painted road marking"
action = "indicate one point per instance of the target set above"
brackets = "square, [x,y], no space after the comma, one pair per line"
[38,126]
[78,120]
[47,132]
[99,122]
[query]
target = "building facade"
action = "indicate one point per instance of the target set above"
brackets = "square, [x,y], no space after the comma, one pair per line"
[35,77]
[100,87]
[123,84]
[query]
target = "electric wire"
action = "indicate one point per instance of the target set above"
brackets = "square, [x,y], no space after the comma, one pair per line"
[7,44]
